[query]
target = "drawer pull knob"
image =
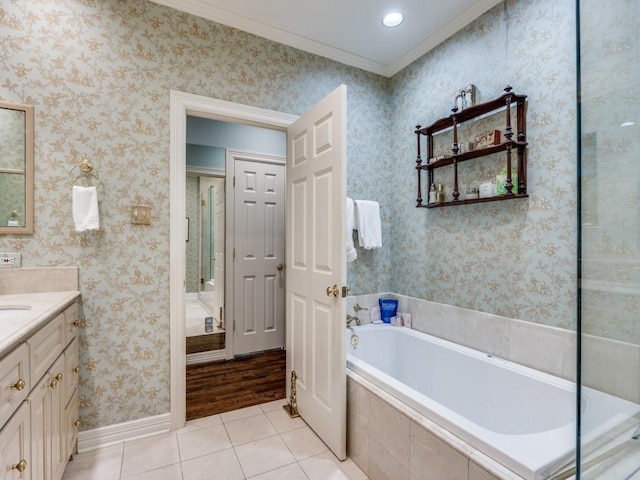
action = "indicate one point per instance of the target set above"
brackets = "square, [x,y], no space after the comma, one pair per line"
[76,323]
[58,377]
[54,383]
[21,466]
[19,385]
[76,369]
[76,423]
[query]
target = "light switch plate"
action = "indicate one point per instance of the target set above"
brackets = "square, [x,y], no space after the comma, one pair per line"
[140,214]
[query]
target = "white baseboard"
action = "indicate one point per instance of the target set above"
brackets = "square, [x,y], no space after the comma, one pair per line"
[103,436]
[204,357]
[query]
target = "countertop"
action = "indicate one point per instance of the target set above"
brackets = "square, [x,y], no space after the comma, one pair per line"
[20,324]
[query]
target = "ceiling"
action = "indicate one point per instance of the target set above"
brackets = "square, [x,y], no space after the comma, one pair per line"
[348,31]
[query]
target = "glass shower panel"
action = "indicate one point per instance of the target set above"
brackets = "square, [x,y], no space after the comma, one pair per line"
[610,238]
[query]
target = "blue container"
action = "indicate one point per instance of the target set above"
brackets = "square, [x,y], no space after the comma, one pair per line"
[388,308]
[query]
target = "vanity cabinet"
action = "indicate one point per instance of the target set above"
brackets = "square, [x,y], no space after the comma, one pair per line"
[40,433]
[463,129]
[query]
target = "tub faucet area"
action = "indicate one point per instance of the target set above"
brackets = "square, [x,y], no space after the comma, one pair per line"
[354,318]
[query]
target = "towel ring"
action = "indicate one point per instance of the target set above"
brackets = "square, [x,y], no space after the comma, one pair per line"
[85,168]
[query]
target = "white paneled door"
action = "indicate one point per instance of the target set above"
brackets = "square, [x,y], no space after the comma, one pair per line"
[259,254]
[316,266]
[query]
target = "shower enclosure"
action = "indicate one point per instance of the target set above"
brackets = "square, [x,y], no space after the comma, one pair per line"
[609,246]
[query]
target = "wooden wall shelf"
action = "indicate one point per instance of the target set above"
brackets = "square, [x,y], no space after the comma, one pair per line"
[519,145]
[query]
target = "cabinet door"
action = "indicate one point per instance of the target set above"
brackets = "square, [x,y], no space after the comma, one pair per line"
[14,381]
[15,447]
[40,406]
[71,369]
[59,455]
[73,423]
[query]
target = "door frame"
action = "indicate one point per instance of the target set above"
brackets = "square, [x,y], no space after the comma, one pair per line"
[181,105]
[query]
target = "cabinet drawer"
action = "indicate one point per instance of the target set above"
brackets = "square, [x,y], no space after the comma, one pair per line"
[72,321]
[45,346]
[71,369]
[14,381]
[15,446]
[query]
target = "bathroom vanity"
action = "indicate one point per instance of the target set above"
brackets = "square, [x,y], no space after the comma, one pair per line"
[38,384]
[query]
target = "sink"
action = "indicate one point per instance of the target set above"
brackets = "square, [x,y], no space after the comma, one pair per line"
[11,310]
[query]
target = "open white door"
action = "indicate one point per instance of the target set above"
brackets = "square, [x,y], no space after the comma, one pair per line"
[316,266]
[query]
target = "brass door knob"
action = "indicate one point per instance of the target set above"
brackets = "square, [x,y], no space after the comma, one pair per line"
[21,466]
[76,369]
[76,423]
[54,383]
[75,323]
[58,377]
[19,385]
[279,266]
[333,291]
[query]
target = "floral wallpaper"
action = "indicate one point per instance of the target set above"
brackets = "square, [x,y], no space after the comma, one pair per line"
[515,258]
[99,74]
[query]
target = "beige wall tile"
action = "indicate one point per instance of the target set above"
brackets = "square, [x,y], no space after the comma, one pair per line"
[38,280]
[383,465]
[432,459]
[479,473]
[391,428]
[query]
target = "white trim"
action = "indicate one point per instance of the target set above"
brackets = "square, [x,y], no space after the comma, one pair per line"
[441,35]
[202,9]
[206,171]
[121,432]
[204,357]
[181,105]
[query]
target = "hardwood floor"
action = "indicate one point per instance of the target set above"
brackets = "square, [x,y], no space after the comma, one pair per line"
[219,387]
[204,343]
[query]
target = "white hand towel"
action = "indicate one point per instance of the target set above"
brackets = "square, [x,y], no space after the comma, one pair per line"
[368,224]
[350,226]
[85,208]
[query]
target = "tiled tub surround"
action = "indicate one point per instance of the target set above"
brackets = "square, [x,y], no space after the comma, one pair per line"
[548,349]
[522,418]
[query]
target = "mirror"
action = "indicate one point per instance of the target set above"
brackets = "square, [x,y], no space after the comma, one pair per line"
[16,168]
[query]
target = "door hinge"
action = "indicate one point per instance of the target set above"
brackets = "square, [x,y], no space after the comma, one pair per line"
[345,291]
[234,325]
[234,181]
[234,253]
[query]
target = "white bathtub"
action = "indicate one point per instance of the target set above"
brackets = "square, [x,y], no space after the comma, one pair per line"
[522,418]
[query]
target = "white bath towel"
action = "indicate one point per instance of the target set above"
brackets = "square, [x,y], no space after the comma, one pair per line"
[350,217]
[368,224]
[85,208]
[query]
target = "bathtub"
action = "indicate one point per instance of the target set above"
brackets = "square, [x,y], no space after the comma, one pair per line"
[519,417]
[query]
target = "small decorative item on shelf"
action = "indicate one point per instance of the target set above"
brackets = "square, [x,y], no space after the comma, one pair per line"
[433,194]
[467,97]
[487,189]
[501,182]
[440,193]
[488,138]
[472,193]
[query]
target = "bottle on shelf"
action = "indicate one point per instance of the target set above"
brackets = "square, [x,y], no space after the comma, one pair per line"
[440,193]
[433,194]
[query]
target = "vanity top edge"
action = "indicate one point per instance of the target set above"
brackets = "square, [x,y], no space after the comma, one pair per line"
[44,306]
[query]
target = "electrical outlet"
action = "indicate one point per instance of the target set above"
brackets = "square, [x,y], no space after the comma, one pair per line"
[10,260]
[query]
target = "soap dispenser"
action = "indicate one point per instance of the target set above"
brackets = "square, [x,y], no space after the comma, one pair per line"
[440,193]
[433,194]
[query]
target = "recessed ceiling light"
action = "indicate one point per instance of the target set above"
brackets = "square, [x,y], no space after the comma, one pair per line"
[627,124]
[392,19]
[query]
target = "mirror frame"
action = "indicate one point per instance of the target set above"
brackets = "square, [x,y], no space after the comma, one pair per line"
[27,229]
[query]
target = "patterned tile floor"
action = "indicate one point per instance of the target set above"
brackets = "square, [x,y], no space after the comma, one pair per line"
[258,443]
